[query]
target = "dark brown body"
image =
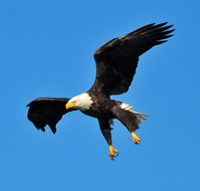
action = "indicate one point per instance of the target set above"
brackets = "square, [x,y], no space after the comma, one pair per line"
[106,109]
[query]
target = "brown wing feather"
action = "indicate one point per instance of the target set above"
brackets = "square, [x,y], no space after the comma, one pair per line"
[116,61]
[47,111]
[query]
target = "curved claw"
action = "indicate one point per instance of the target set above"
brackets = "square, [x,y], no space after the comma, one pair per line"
[113,153]
[135,138]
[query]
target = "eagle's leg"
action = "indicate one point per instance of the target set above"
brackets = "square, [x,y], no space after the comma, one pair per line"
[129,120]
[106,131]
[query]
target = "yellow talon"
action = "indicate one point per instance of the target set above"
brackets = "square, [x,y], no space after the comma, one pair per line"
[135,138]
[112,152]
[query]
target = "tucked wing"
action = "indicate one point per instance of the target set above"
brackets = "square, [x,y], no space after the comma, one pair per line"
[116,61]
[47,111]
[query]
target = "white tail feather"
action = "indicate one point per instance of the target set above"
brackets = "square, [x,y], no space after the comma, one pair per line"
[140,116]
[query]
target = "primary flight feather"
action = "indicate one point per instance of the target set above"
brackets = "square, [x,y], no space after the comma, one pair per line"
[116,63]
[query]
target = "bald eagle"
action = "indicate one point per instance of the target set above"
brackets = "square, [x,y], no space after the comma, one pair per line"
[116,63]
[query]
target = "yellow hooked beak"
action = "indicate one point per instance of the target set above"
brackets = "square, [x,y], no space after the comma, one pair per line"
[70,104]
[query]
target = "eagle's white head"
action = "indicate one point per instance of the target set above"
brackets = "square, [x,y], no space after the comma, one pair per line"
[81,102]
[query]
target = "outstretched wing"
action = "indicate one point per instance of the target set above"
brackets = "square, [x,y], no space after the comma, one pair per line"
[47,111]
[116,61]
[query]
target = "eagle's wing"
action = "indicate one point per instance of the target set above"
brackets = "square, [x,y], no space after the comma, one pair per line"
[116,61]
[47,111]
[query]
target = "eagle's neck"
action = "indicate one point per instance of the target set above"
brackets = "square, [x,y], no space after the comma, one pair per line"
[83,101]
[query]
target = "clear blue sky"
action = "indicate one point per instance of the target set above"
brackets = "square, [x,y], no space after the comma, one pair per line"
[46,49]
